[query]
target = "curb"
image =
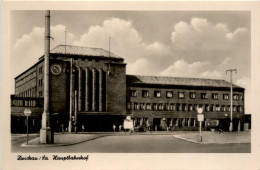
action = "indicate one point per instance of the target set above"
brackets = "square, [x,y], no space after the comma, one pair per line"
[58,144]
[193,141]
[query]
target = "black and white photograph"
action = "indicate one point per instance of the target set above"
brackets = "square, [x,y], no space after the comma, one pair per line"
[166,83]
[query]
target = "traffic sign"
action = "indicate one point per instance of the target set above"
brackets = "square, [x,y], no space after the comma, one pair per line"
[200,117]
[27,112]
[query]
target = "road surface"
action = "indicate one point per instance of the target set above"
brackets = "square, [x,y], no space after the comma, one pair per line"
[134,143]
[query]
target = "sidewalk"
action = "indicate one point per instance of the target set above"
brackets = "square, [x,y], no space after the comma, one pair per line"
[209,137]
[192,136]
[64,139]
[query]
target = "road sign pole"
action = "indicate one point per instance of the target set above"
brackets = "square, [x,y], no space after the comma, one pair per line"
[27,129]
[200,132]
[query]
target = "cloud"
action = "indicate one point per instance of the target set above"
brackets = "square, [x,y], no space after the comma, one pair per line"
[182,68]
[125,40]
[245,82]
[30,47]
[140,66]
[200,38]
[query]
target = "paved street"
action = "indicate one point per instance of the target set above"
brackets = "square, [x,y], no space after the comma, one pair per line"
[135,143]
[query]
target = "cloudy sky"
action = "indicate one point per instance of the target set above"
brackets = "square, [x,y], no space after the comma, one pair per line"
[199,44]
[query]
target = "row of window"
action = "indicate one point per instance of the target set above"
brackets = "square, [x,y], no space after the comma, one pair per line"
[28,93]
[181,95]
[40,82]
[182,107]
[26,79]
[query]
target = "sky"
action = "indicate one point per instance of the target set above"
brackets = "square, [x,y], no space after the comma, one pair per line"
[198,44]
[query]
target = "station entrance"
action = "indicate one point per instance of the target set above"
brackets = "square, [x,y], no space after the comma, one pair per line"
[99,123]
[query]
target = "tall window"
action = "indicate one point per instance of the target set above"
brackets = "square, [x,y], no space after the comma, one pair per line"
[225,96]
[133,93]
[142,106]
[190,108]
[160,106]
[192,95]
[223,108]
[154,106]
[157,94]
[215,96]
[128,106]
[203,96]
[169,94]
[217,108]
[236,97]
[148,106]
[172,106]
[145,93]
[135,106]
[181,95]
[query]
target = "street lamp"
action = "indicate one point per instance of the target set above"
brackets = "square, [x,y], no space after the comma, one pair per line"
[200,117]
[27,113]
[231,99]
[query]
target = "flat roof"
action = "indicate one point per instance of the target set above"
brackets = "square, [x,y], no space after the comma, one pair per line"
[178,81]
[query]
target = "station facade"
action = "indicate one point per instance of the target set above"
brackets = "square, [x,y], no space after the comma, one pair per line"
[90,86]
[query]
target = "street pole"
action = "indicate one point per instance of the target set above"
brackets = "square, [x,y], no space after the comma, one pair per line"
[71,95]
[200,131]
[27,129]
[75,111]
[45,133]
[231,99]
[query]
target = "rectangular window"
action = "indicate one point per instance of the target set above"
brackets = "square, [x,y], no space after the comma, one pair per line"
[184,107]
[148,106]
[217,108]
[215,96]
[195,107]
[203,96]
[228,108]
[239,109]
[160,106]
[157,94]
[154,106]
[241,97]
[236,97]
[190,108]
[178,107]
[169,94]
[135,106]
[234,108]
[211,108]
[145,93]
[192,95]
[173,106]
[225,96]
[166,106]
[142,106]
[128,106]
[181,95]
[207,108]
[223,108]
[133,93]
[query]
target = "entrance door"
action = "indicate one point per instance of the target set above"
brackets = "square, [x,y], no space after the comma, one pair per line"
[156,124]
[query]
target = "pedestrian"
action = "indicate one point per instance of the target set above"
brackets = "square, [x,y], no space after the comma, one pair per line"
[114,127]
[120,127]
[62,128]
[83,127]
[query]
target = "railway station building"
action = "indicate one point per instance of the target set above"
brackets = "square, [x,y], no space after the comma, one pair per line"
[91,85]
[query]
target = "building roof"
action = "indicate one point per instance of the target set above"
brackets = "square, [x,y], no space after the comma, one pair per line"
[83,51]
[177,81]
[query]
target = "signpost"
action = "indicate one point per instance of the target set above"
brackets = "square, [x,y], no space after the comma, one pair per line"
[200,117]
[27,113]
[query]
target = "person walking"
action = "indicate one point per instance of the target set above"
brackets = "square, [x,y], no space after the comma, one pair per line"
[114,127]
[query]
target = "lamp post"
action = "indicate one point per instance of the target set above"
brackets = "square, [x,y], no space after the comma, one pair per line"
[231,99]
[27,113]
[200,119]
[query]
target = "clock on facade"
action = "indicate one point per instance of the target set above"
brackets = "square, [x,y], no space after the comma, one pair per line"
[55,69]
